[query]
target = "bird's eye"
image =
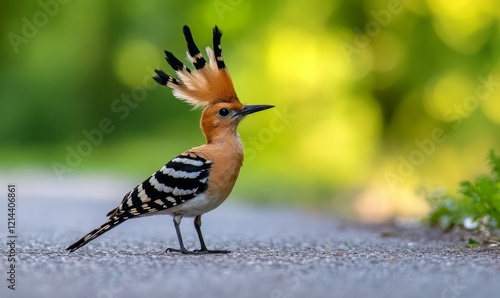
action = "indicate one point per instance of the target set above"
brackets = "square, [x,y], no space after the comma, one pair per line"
[223,112]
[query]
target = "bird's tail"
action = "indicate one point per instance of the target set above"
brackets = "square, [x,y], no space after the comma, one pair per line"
[111,223]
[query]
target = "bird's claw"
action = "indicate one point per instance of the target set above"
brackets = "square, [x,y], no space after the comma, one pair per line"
[197,251]
[214,251]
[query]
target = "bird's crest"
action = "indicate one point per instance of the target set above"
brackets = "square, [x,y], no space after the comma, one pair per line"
[209,82]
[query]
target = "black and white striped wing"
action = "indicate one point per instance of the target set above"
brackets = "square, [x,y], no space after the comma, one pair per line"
[181,179]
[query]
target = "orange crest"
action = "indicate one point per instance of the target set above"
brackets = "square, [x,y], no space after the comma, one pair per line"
[208,83]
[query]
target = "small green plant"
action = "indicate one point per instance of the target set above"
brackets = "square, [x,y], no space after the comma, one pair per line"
[475,207]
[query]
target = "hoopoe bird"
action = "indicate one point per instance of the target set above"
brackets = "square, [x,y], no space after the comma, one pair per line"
[200,179]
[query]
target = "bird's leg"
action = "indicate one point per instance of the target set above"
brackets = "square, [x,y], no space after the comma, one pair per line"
[204,249]
[177,222]
[197,226]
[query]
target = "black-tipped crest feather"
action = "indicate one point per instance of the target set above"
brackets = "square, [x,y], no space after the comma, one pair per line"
[208,82]
[175,63]
[163,79]
[218,48]
[194,52]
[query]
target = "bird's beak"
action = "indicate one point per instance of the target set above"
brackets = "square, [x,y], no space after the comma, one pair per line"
[252,109]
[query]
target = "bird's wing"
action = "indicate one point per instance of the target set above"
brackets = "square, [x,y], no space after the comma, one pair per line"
[181,179]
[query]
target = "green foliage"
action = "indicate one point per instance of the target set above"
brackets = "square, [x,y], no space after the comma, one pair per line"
[475,207]
[472,243]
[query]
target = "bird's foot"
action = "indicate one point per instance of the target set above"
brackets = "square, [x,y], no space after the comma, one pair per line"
[183,251]
[212,251]
[197,251]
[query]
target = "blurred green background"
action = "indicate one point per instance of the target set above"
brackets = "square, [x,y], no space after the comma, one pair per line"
[374,99]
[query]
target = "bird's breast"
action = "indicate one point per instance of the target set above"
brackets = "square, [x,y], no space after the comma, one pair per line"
[226,163]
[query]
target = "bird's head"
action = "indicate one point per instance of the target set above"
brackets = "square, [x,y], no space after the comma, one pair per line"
[222,118]
[209,85]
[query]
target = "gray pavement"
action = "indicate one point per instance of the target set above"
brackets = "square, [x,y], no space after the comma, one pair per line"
[276,253]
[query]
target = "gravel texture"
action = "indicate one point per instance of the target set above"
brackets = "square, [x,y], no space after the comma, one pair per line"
[276,253]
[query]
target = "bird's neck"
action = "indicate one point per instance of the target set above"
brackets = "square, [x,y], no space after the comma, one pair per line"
[226,139]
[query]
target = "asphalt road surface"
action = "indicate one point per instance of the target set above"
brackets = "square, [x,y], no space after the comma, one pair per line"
[276,253]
